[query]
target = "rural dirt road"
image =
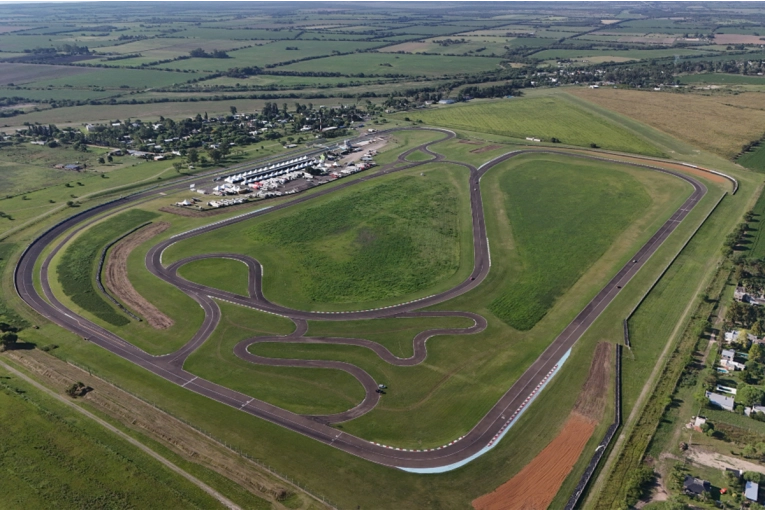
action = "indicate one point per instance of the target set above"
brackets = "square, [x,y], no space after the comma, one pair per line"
[720,461]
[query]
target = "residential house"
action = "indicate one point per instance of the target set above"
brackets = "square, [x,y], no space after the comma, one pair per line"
[722,401]
[693,486]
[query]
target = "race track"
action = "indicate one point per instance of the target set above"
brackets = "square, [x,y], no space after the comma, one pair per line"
[486,431]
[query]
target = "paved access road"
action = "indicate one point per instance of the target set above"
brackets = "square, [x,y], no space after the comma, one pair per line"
[319,428]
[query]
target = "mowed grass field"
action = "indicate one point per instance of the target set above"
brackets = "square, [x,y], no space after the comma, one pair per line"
[301,390]
[224,274]
[564,214]
[540,117]
[720,124]
[400,236]
[53,457]
[386,63]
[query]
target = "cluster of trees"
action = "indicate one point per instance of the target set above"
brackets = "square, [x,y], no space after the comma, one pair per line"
[736,239]
[750,274]
[506,89]
[8,336]
[200,53]
[450,42]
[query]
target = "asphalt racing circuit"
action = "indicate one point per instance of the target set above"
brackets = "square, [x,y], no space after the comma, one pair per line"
[484,435]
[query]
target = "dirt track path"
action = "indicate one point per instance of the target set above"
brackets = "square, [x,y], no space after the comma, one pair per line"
[196,481]
[720,461]
[117,281]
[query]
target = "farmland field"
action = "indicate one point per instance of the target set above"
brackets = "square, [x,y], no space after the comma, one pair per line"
[24,73]
[271,53]
[373,64]
[117,78]
[544,117]
[728,79]
[634,54]
[721,124]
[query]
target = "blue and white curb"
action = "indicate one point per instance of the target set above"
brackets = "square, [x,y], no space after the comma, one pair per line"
[505,428]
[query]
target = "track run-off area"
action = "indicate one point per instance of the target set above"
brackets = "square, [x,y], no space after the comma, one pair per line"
[486,433]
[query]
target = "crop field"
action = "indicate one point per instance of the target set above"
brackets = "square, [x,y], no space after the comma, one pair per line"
[543,117]
[549,198]
[398,237]
[25,73]
[54,457]
[383,63]
[633,54]
[484,46]
[76,271]
[45,94]
[271,53]
[721,124]
[118,78]
[723,78]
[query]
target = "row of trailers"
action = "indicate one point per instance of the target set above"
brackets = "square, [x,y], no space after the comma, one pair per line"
[268,172]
